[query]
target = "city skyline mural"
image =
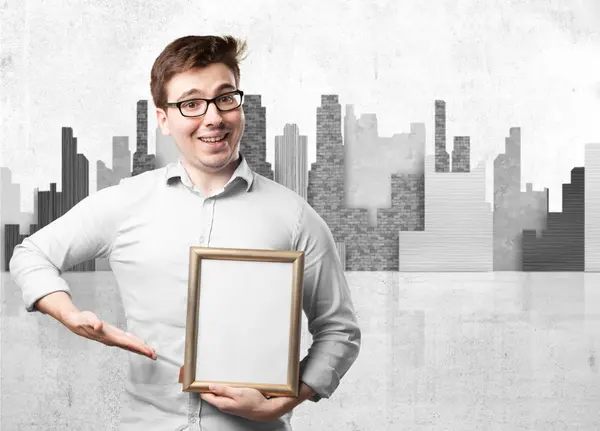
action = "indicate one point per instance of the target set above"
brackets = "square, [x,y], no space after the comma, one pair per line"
[451,146]
[390,206]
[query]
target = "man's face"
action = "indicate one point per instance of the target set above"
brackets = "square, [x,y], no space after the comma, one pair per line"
[192,134]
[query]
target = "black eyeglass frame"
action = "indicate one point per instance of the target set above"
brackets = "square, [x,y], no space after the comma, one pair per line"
[208,102]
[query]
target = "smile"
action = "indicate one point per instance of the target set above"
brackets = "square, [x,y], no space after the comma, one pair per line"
[214,139]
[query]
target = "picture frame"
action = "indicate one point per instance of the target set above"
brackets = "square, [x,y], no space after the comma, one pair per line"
[243,323]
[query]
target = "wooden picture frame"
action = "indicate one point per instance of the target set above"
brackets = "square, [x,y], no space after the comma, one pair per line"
[244,320]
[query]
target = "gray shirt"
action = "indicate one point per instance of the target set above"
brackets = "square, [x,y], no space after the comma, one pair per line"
[145,226]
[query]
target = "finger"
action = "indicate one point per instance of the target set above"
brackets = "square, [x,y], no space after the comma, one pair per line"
[134,338]
[121,337]
[133,343]
[222,403]
[224,390]
[113,336]
[137,348]
[208,397]
[137,341]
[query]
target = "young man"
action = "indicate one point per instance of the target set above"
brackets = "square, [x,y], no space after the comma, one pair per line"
[145,226]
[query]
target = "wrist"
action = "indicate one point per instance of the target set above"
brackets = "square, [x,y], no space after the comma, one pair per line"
[278,406]
[285,404]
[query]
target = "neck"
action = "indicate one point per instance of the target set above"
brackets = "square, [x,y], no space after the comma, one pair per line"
[210,182]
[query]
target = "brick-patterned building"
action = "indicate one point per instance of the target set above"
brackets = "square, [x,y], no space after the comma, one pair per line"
[142,161]
[442,158]
[461,154]
[363,247]
[254,141]
[406,214]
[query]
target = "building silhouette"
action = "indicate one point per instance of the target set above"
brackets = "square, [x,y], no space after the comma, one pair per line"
[592,208]
[361,246]
[142,161]
[458,225]
[106,177]
[514,210]
[166,149]
[561,246]
[326,192]
[442,159]
[291,160]
[461,155]
[121,164]
[11,216]
[371,160]
[254,141]
[52,204]
[407,213]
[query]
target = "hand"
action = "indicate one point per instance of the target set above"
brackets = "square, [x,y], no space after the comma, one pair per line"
[245,402]
[88,325]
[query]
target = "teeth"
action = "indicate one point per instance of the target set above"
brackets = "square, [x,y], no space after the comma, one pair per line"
[215,139]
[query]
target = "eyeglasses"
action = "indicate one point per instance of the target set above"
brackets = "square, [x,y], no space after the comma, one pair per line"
[197,107]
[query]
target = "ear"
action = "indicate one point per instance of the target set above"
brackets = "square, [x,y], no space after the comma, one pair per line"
[161,119]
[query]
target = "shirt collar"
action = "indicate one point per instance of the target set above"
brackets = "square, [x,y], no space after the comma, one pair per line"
[243,171]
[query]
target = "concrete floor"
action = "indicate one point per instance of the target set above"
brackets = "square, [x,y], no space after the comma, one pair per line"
[455,351]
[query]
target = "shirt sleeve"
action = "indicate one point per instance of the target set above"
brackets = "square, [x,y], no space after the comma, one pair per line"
[84,232]
[328,306]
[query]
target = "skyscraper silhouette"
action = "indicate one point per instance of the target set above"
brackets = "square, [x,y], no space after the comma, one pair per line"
[592,207]
[121,164]
[291,168]
[326,187]
[11,216]
[52,204]
[105,177]
[142,161]
[442,159]
[561,246]
[254,141]
[514,210]
[69,168]
[507,203]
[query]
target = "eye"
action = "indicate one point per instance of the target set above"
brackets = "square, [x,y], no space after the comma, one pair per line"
[226,99]
[190,105]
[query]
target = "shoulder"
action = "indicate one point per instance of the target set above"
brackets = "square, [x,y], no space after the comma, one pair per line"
[146,180]
[129,191]
[276,194]
[310,229]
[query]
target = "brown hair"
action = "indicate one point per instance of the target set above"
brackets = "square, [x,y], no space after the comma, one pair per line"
[188,52]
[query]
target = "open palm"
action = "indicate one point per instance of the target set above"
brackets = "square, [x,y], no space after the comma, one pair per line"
[88,325]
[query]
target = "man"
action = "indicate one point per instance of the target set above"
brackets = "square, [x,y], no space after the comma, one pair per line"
[145,226]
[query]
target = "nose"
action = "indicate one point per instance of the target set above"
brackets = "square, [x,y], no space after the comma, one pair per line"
[212,117]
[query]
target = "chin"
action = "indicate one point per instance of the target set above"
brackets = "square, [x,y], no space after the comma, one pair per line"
[218,161]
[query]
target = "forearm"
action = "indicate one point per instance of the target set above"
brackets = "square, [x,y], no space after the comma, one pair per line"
[56,305]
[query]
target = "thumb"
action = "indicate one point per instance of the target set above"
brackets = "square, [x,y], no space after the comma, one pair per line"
[93,321]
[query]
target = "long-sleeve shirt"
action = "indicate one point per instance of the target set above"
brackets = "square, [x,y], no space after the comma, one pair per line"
[145,226]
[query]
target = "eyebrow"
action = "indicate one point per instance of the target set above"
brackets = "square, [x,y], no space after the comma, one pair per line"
[192,91]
